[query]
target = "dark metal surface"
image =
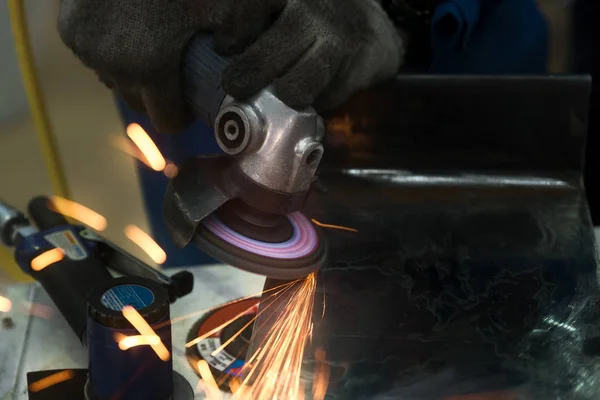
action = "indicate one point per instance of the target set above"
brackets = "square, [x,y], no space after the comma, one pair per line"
[473,270]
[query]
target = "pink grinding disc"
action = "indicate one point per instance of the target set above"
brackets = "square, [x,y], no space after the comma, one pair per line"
[303,242]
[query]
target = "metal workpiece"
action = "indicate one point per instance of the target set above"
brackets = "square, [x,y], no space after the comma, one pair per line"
[278,147]
[470,270]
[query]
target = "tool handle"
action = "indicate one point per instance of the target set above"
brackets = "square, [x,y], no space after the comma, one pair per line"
[202,72]
[42,216]
[68,281]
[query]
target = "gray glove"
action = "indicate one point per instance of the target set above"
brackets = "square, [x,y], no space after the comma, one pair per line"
[313,50]
[319,52]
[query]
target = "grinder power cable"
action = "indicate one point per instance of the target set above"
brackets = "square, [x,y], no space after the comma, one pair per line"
[242,207]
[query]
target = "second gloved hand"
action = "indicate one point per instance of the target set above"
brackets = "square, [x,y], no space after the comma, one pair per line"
[319,52]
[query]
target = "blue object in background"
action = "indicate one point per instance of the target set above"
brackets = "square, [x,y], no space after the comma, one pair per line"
[198,139]
[489,37]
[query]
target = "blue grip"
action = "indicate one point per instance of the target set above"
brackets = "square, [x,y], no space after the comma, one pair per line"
[202,72]
[134,374]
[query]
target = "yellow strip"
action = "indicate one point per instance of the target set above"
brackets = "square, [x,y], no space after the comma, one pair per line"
[40,118]
[36,102]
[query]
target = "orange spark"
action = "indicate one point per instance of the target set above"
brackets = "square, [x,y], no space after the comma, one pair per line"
[51,380]
[276,371]
[142,326]
[171,170]
[78,212]
[146,243]
[128,147]
[146,146]
[232,338]
[211,389]
[47,258]
[343,228]
[218,328]
[254,356]
[234,385]
[127,342]
[301,391]
[5,304]
[321,375]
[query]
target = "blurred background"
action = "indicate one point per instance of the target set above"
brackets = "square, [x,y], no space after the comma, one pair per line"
[85,120]
[84,116]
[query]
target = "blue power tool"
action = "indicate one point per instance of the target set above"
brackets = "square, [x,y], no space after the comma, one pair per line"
[91,301]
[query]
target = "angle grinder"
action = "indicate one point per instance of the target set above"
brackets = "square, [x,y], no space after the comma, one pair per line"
[242,207]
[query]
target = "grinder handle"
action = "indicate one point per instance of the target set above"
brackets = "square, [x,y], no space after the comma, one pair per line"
[202,72]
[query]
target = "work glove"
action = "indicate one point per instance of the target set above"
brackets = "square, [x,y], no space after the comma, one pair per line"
[312,50]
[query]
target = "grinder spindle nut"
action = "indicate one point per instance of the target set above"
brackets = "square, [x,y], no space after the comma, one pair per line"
[232,130]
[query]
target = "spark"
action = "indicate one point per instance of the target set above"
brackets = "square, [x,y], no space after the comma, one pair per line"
[146,243]
[78,212]
[239,332]
[340,227]
[5,304]
[301,391]
[276,371]
[218,328]
[241,314]
[234,385]
[171,170]
[128,147]
[211,389]
[321,375]
[142,326]
[51,380]
[232,338]
[47,258]
[139,136]
[254,356]
[127,342]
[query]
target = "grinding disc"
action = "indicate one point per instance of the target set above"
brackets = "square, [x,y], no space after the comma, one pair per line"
[299,255]
[229,362]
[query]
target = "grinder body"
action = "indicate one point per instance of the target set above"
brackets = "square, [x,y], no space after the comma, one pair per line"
[271,155]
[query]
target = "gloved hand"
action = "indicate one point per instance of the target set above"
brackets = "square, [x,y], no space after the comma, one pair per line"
[313,50]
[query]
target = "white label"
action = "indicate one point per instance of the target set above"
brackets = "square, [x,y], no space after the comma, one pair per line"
[67,241]
[220,361]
